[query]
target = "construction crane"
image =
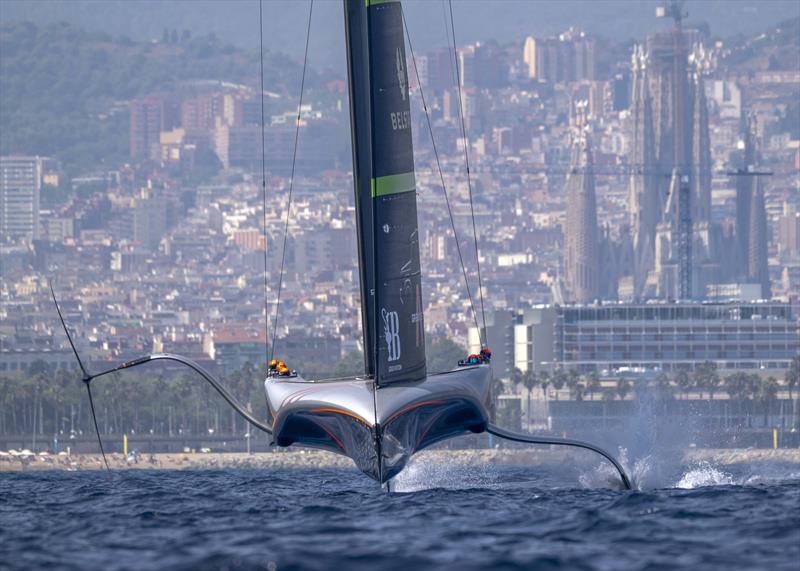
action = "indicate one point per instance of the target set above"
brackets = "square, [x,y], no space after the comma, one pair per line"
[673,9]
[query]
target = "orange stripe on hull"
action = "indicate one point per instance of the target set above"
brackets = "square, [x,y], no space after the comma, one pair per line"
[344,412]
[411,407]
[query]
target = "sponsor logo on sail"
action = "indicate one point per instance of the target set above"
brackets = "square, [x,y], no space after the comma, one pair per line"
[401,76]
[391,333]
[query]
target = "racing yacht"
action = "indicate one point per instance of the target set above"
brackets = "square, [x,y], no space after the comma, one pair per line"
[397,408]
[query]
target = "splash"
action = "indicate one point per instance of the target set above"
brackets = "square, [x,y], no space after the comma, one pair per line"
[605,475]
[704,474]
[652,472]
[431,471]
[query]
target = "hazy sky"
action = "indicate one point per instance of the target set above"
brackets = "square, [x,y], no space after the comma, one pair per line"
[284,20]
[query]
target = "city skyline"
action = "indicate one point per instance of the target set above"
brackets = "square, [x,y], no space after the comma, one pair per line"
[584,160]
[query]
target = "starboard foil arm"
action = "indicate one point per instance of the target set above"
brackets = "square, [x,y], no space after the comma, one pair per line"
[531,439]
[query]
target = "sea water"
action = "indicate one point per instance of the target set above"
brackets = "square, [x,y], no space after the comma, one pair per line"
[438,516]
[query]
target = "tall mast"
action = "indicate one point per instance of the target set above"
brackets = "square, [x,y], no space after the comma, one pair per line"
[385,190]
[355,26]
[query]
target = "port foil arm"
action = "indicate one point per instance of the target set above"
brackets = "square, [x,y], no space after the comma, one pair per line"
[218,386]
[532,439]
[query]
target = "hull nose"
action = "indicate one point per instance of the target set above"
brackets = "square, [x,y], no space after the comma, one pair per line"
[424,425]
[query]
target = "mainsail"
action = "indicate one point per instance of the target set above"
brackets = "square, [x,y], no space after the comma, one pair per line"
[386,204]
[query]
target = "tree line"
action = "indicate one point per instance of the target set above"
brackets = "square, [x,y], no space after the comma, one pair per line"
[49,402]
[705,379]
[159,400]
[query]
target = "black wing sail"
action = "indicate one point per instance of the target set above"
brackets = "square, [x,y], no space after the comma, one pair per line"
[401,340]
[387,207]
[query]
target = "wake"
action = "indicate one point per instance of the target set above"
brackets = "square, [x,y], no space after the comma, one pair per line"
[652,472]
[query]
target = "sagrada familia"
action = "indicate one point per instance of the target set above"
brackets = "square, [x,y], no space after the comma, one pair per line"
[672,249]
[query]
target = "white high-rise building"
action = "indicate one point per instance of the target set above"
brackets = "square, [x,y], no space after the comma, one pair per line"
[20,187]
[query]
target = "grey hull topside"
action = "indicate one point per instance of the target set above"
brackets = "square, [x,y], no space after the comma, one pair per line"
[378,431]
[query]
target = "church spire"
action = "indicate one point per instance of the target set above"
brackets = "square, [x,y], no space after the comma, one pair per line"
[700,140]
[581,253]
[745,183]
[644,202]
[758,268]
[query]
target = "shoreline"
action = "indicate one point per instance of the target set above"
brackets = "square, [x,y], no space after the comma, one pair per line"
[313,459]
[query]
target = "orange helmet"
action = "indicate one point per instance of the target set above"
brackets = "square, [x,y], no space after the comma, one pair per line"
[273,364]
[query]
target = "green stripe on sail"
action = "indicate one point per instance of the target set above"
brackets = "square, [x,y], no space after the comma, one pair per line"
[376,2]
[393,184]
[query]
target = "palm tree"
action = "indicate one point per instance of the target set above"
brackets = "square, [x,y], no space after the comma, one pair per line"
[573,382]
[517,377]
[736,387]
[767,392]
[38,372]
[753,385]
[734,384]
[6,400]
[580,390]
[530,379]
[56,391]
[664,386]
[705,376]
[792,378]
[623,387]
[683,381]
[592,383]
[712,379]
[544,381]
[696,379]
[559,380]
[750,392]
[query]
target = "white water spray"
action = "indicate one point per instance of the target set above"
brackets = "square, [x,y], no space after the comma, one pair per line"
[704,474]
[429,470]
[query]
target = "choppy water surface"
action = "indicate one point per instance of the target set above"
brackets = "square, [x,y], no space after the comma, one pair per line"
[706,517]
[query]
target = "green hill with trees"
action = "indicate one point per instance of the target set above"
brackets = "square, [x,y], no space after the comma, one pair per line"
[64,91]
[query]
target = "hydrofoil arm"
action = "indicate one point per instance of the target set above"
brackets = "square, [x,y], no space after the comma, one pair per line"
[531,439]
[218,386]
[88,378]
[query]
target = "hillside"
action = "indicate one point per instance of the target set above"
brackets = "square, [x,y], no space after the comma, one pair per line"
[778,48]
[63,90]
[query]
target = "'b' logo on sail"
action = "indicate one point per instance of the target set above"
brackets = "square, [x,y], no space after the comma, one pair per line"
[391,332]
[401,76]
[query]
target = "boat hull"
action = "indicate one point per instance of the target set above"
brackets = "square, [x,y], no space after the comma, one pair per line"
[379,431]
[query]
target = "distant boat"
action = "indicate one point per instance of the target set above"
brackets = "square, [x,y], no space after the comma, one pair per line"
[381,419]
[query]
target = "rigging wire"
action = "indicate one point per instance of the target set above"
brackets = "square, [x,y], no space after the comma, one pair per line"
[469,178]
[263,177]
[87,378]
[96,427]
[441,175]
[291,182]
